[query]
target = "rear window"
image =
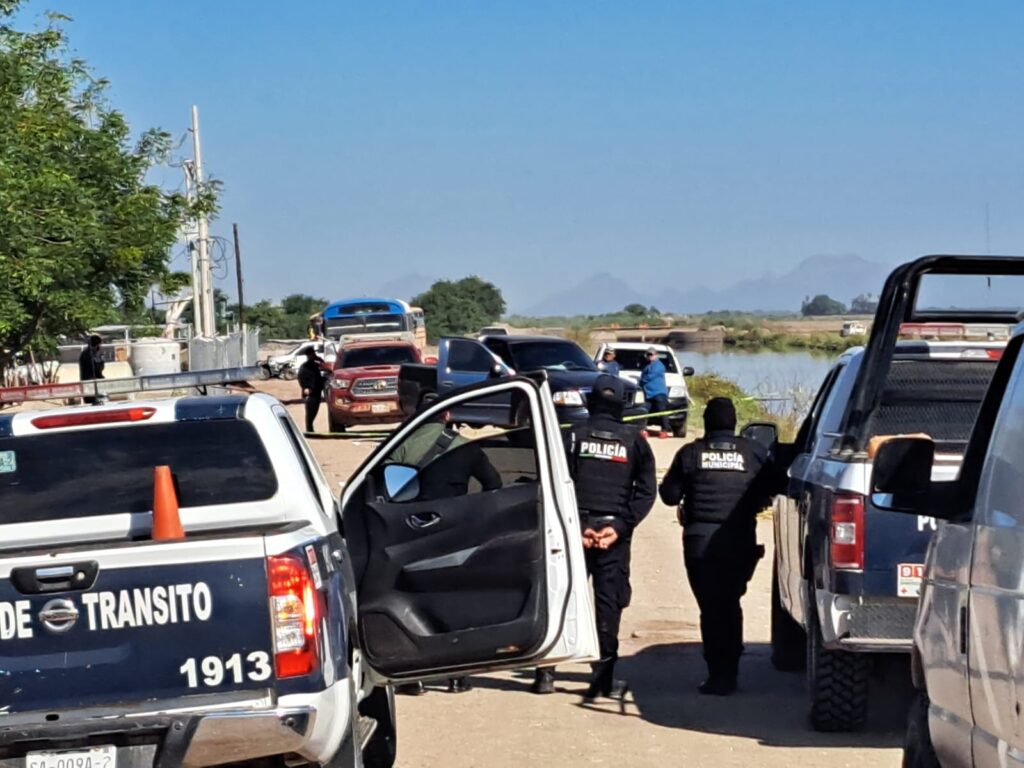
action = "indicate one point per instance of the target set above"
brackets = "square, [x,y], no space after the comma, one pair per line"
[357,358]
[110,471]
[938,397]
[636,360]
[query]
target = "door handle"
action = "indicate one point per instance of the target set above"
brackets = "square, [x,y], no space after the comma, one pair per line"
[422,520]
[963,629]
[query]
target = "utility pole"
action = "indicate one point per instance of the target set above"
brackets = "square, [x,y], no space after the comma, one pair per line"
[238,276]
[204,305]
[197,319]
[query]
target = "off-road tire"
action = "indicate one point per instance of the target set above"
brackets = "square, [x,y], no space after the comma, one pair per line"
[789,640]
[334,427]
[382,748]
[837,682]
[918,751]
[678,428]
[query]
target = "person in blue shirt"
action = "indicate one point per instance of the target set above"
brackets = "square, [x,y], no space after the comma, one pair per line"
[652,381]
[608,363]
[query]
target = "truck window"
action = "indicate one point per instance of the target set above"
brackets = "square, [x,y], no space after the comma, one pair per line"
[500,348]
[109,471]
[366,356]
[468,357]
[1001,492]
[805,437]
[636,359]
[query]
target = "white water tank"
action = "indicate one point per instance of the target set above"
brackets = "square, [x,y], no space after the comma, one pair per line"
[150,357]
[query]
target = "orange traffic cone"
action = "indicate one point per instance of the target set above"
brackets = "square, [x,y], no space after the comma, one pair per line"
[166,521]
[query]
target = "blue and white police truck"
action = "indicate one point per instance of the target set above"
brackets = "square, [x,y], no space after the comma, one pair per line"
[270,633]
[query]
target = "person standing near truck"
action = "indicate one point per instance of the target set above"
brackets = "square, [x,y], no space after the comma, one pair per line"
[608,363]
[90,364]
[720,483]
[614,473]
[311,380]
[652,381]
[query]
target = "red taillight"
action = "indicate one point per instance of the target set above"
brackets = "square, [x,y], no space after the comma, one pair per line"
[995,354]
[89,417]
[296,614]
[846,531]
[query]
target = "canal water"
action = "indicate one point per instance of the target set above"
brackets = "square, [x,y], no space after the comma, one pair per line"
[766,374]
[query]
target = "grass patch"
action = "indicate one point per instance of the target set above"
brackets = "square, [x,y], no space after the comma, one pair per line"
[703,387]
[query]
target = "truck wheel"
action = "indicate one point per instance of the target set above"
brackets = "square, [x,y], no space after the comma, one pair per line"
[334,427]
[789,641]
[837,682]
[918,751]
[288,373]
[679,428]
[382,748]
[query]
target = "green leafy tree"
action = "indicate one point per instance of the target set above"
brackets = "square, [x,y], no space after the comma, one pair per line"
[822,305]
[83,237]
[865,304]
[637,310]
[456,308]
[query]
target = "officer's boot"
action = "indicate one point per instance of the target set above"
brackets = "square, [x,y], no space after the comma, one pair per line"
[543,680]
[603,682]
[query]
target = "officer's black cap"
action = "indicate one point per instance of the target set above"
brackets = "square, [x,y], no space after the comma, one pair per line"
[608,395]
[720,415]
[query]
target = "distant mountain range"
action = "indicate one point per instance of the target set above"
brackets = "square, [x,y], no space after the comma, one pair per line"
[841,277]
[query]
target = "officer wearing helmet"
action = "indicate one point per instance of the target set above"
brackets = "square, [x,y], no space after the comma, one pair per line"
[613,469]
[720,482]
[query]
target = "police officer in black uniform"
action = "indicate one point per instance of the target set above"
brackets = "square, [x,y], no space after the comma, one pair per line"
[613,469]
[311,380]
[721,481]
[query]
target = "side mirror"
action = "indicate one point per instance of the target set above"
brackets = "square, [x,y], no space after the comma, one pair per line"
[401,482]
[763,432]
[901,478]
[497,371]
[688,370]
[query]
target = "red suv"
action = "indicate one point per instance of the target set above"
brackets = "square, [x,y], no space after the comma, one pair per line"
[363,388]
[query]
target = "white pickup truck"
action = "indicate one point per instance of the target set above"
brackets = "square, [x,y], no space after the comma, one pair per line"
[270,634]
[632,357]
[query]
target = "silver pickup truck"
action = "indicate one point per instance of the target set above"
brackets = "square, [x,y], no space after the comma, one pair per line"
[847,575]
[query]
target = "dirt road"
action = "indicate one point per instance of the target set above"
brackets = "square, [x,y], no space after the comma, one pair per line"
[500,724]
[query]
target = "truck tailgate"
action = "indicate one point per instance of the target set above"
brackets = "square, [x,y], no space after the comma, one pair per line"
[896,544]
[102,626]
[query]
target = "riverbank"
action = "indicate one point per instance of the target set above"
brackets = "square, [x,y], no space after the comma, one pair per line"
[782,341]
[705,386]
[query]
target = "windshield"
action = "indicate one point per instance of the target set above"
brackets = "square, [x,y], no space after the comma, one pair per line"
[367,323]
[358,358]
[110,471]
[550,355]
[636,359]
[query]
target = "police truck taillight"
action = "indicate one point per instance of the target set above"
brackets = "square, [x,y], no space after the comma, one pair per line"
[294,608]
[847,531]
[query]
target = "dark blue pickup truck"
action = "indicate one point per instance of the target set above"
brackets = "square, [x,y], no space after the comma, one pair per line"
[569,370]
[846,574]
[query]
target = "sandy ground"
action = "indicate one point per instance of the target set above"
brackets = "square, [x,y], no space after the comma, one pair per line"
[500,724]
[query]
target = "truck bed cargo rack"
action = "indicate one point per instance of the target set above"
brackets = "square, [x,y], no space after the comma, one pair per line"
[897,307]
[104,388]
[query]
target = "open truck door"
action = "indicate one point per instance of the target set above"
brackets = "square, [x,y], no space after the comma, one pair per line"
[466,543]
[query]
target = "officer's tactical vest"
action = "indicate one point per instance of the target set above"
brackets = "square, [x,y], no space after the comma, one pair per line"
[604,467]
[723,469]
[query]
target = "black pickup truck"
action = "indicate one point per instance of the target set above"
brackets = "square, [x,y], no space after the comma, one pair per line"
[462,362]
[847,574]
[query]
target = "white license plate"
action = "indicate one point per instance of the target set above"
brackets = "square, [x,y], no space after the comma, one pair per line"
[909,577]
[95,757]
[380,408]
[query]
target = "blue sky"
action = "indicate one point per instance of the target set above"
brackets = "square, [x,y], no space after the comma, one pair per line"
[536,143]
